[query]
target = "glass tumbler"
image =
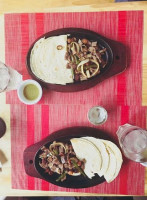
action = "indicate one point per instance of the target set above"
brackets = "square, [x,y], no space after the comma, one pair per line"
[133,141]
[97,115]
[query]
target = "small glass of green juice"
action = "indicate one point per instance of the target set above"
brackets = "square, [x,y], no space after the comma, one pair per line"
[29,92]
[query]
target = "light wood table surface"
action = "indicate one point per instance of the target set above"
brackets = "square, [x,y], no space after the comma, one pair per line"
[17,6]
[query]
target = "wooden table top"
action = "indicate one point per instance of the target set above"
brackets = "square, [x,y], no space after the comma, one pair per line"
[17,6]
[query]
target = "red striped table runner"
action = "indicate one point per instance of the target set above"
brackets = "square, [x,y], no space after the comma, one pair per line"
[30,124]
[123,26]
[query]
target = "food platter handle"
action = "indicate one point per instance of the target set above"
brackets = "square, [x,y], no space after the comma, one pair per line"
[29,163]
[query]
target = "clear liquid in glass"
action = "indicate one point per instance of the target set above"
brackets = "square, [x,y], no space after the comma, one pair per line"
[133,141]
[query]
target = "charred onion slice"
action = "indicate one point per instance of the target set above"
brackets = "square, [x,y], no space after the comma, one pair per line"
[51,148]
[83,48]
[82,63]
[74,46]
[97,69]
[86,72]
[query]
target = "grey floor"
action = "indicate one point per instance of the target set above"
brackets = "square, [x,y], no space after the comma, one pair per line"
[73,198]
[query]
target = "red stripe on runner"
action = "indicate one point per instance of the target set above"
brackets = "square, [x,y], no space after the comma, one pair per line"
[39,18]
[24,42]
[121,84]
[124,170]
[124,114]
[45,132]
[39,24]
[30,139]
[30,109]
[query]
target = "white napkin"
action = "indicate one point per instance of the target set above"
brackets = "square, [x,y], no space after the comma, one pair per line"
[2,197]
[14,77]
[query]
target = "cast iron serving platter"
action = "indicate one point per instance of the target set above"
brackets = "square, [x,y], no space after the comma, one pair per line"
[31,157]
[115,57]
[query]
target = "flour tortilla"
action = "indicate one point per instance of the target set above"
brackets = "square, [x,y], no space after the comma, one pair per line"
[117,153]
[109,175]
[48,63]
[102,157]
[104,153]
[86,150]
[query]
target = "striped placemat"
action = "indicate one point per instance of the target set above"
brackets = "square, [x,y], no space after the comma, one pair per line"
[120,95]
[30,124]
[124,26]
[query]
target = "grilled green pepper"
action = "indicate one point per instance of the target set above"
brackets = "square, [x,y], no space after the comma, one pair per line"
[77,167]
[61,177]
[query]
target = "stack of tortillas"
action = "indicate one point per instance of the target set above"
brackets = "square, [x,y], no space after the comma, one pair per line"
[102,157]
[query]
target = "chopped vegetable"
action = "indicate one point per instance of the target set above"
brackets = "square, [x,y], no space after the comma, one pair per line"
[57,159]
[74,48]
[57,144]
[61,177]
[55,152]
[82,63]
[84,41]
[86,58]
[77,167]
[88,73]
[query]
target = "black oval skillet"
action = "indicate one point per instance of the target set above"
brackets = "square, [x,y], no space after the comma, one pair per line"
[31,157]
[81,85]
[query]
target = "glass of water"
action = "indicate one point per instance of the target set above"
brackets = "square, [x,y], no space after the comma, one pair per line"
[133,141]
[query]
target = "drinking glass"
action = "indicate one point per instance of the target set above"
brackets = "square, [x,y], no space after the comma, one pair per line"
[97,115]
[133,141]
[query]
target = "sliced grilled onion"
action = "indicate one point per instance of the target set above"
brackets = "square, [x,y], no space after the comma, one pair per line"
[82,63]
[74,46]
[88,73]
[87,57]
[96,71]
[72,58]
[80,67]
[83,48]
[82,71]
[57,144]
